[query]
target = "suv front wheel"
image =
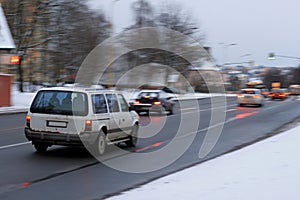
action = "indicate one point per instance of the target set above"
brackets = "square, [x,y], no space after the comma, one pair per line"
[133,137]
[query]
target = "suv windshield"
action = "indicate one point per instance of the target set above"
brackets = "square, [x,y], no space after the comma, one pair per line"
[60,102]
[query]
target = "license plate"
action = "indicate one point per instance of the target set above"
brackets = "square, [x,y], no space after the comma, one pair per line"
[57,124]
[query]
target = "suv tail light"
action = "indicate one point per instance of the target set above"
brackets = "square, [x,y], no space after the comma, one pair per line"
[136,102]
[88,125]
[28,118]
[157,103]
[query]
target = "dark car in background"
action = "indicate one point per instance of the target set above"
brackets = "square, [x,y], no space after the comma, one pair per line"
[278,94]
[265,92]
[153,101]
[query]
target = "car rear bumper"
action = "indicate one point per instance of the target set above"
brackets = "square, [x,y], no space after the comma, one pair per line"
[146,108]
[60,138]
[278,97]
[250,101]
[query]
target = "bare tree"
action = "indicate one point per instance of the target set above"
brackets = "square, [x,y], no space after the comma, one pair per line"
[53,35]
[22,16]
[75,31]
[172,17]
[143,12]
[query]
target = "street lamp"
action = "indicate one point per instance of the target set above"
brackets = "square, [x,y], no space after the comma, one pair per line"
[111,77]
[272,56]
[225,50]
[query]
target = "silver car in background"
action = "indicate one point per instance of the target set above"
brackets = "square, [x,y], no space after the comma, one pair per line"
[250,96]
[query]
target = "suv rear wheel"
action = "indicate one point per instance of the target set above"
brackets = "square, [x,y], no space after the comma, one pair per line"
[40,147]
[101,144]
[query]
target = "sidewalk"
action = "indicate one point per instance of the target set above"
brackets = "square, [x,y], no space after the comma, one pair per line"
[20,103]
[266,170]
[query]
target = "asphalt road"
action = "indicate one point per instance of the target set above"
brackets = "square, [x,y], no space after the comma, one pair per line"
[72,173]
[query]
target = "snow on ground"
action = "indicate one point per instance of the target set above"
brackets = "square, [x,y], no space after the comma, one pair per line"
[266,170]
[20,101]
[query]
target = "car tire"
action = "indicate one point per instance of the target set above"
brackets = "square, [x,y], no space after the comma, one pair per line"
[100,145]
[241,105]
[162,111]
[171,111]
[40,147]
[133,137]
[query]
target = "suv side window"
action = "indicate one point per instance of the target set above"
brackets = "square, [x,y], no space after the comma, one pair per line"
[99,104]
[112,103]
[123,103]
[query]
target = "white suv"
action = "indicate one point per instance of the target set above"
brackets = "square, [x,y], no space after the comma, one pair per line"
[80,116]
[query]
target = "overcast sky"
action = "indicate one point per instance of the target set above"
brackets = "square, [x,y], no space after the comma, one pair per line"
[256,26]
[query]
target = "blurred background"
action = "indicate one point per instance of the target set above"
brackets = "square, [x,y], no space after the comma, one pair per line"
[53,37]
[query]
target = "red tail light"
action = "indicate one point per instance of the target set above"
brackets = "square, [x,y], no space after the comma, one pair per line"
[157,103]
[88,125]
[136,102]
[240,96]
[28,118]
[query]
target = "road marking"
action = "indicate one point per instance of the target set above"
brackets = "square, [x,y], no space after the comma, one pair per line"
[11,129]
[14,145]
[26,184]
[231,110]
[244,115]
[184,109]
[155,145]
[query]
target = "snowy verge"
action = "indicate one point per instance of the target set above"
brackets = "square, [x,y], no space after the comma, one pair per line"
[266,170]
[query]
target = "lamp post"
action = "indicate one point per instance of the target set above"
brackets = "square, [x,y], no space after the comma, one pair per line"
[111,78]
[272,56]
[225,50]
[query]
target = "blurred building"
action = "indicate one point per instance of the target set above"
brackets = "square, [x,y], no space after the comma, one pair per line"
[6,44]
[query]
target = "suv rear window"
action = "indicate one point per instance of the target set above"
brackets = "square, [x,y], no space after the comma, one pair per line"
[148,94]
[60,103]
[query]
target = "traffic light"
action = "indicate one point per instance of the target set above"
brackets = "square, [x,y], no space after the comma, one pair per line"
[15,60]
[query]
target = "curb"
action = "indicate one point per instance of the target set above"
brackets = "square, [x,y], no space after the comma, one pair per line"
[9,111]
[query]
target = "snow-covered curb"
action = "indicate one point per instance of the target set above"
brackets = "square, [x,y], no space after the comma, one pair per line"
[266,170]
